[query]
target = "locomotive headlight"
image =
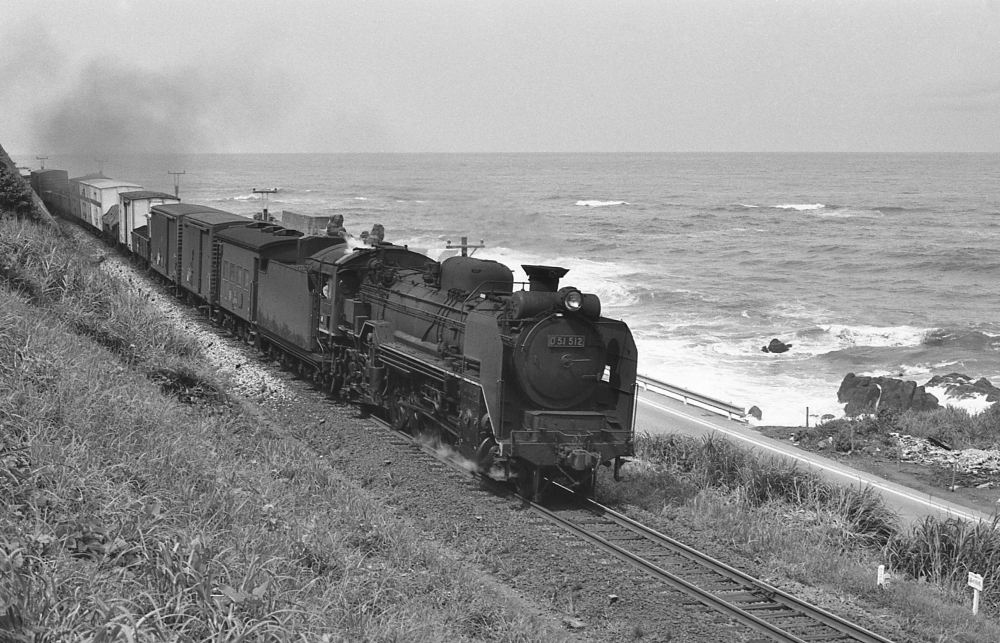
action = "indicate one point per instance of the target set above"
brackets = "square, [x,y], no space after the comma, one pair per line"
[571,299]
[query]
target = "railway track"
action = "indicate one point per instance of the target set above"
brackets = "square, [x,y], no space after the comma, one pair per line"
[751,602]
[743,598]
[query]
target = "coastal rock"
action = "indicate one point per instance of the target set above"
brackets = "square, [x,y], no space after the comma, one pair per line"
[776,346]
[870,394]
[962,387]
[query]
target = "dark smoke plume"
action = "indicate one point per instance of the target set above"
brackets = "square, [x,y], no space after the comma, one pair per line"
[114,108]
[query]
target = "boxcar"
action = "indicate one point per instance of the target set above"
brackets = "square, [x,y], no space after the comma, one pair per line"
[165,242]
[198,252]
[243,250]
[133,214]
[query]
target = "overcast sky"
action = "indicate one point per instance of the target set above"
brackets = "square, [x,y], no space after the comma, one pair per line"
[512,76]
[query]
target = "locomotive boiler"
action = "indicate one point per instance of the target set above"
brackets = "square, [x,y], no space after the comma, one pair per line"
[533,384]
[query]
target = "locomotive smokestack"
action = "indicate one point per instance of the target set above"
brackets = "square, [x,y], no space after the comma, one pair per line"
[544,278]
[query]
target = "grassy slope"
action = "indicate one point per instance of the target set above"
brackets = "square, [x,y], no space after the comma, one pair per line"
[128,514]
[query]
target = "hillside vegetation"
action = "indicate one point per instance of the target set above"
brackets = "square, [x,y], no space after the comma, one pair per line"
[139,502]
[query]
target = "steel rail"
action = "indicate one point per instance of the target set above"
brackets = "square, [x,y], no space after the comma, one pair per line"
[760,595]
[678,583]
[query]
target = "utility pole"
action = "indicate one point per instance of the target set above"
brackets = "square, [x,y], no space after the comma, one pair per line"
[100,166]
[265,192]
[466,247]
[177,183]
[42,159]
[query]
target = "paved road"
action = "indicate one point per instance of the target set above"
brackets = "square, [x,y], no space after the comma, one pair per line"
[659,413]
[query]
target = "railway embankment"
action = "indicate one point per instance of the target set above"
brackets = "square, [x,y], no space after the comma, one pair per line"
[147,494]
[161,481]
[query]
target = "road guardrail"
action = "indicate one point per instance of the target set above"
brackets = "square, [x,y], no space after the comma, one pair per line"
[728,409]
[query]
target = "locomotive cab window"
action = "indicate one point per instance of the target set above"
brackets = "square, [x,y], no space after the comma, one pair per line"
[349,284]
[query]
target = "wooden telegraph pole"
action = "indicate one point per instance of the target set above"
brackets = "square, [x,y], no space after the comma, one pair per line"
[464,245]
[265,192]
[177,182]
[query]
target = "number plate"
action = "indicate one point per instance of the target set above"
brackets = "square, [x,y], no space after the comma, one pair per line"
[566,341]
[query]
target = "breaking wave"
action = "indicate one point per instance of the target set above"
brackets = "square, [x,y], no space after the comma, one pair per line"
[600,204]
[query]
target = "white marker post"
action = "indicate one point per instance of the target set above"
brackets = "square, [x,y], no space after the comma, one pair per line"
[976,583]
[881,576]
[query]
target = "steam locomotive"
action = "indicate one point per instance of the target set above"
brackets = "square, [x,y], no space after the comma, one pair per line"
[527,380]
[533,384]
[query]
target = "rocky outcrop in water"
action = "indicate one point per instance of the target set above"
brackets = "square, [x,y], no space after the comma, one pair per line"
[962,387]
[776,346]
[871,394]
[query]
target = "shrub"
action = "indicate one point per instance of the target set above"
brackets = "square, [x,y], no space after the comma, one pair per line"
[718,463]
[15,194]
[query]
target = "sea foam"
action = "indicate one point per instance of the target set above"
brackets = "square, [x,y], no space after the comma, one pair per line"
[600,204]
[800,206]
[881,336]
[974,404]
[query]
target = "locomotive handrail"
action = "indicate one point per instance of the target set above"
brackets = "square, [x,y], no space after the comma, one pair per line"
[730,410]
[480,290]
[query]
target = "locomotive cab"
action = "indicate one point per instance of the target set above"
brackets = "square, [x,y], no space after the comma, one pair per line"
[333,287]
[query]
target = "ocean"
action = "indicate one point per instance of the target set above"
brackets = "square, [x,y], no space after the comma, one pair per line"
[881,264]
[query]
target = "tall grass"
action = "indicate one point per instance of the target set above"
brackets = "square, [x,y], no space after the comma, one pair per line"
[714,463]
[945,551]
